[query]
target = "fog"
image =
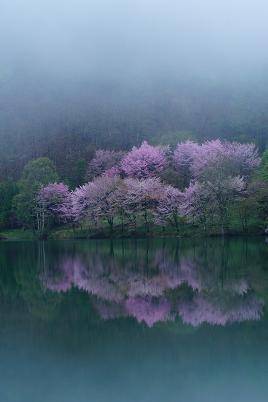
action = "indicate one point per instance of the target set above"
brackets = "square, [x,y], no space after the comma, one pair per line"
[96,65]
[131,40]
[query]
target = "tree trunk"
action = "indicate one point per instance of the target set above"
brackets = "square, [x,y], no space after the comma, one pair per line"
[146,221]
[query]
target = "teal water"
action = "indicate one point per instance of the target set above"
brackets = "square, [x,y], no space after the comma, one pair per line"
[147,320]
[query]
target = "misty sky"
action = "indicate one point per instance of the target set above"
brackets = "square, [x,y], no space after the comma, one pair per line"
[127,40]
[115,67]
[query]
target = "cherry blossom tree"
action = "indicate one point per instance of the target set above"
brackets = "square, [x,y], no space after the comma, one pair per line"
[145,161]
[103,161]
[220,171]
[106,198]
[80,199]
[183,159]
[216,174]
[98,200]
[54,200]
[196,204]
[168,210]
[216,157]
[143,197]
[212,199]
[221,159]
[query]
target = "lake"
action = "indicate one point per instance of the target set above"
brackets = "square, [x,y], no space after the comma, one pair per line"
[161,320]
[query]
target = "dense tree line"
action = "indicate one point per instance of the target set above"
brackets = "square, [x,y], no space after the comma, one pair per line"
[68,129]
[209,186]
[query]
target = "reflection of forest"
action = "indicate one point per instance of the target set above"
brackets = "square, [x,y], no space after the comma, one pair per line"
[157,281]
[51,337]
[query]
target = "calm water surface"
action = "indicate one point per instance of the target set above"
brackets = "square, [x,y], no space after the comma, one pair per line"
[124,321]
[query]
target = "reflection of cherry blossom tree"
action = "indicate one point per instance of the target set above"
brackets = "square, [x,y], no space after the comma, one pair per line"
[149,310]
[169,287]
[74,272]
[211,310]
[110,310]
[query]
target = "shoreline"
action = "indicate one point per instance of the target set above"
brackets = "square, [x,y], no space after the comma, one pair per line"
[28,235]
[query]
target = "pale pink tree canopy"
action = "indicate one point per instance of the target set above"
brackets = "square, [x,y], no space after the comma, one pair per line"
[103,161]
[104,197]
[216,157]
[145,161]
[204,200]
[220,171]
[195,201]
[143,195]
[55,199]
[169,206]
[214,175]
[81,201]
[99,199]
[184,154]
[224,158]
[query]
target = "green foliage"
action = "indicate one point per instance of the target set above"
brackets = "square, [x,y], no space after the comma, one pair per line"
[264,166]
[36,173]
[8,190]
[78,173]
[17,234]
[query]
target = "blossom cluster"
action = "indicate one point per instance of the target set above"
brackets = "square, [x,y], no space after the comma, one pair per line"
[128,185]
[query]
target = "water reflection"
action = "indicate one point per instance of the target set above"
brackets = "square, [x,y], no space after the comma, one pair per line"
[164,282]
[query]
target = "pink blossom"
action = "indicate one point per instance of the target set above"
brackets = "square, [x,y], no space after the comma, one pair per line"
[145,161]
[185,154]
[100,199]
[224,158]
[169,206]
[143,194]
[81,201]
[55,199]
[196,201]
[104,161]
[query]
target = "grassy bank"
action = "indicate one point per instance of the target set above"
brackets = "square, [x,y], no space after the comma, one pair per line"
[17,234]
[65,233]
